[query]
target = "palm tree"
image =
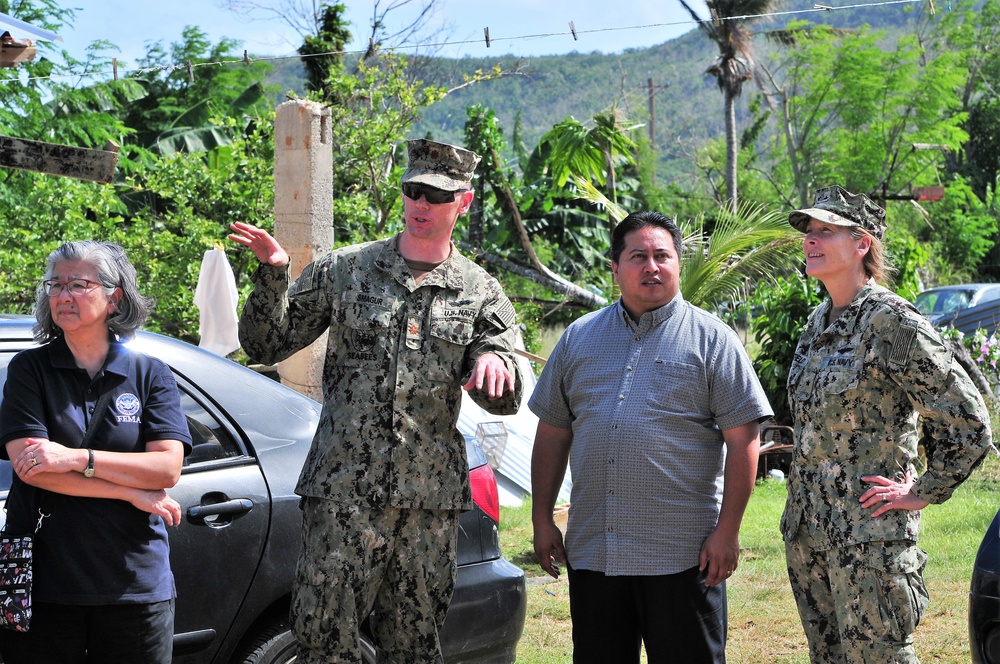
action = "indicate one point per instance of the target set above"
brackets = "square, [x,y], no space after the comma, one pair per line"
[733,67]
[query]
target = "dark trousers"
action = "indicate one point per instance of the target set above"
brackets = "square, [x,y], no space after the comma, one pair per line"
[677,618]
[113,634]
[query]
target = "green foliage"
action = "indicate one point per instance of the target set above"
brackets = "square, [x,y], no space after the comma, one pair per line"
[323,53]
[856,109]
[961,227]
[908,255]
[529,315]
[191,201]
[782,312]
[176,101]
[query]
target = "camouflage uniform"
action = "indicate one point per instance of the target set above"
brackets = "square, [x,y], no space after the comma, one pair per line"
[387,467]
[858,390]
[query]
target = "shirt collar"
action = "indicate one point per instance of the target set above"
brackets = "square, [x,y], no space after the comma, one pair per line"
[848,321]
[651,319]
[448,274]
[117,361]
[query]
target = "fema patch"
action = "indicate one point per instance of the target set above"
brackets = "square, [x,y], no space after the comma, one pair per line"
[127,404]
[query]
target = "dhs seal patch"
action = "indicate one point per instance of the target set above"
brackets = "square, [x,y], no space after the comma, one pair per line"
[128,407]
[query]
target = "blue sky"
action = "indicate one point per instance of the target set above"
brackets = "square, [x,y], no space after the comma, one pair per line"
[520,27]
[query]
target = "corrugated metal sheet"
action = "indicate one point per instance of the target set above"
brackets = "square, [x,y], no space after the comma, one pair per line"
[21,30]
[514,473]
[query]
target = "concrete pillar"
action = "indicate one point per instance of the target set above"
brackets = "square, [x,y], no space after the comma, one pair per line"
[303,215]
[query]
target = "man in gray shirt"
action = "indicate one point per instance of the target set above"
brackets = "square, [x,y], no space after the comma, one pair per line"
[655,404]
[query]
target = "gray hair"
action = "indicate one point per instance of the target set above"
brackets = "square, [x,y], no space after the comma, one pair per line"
[114,270]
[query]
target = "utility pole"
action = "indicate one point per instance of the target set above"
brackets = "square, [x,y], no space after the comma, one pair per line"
[651,91]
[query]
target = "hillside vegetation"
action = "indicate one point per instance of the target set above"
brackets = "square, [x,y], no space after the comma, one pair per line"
[687,105]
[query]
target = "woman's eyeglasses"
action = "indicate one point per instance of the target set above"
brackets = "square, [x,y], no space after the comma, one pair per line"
[76,287]
[434,196]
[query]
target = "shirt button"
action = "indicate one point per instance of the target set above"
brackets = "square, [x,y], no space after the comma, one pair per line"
[91,411]
[629,368]
[621,397]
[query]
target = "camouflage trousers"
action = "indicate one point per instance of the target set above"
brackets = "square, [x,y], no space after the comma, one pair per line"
[861,603]
[394,566]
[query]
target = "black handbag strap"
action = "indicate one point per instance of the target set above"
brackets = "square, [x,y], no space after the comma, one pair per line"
[96,419]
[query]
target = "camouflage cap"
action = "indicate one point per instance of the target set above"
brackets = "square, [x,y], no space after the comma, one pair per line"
[440,165]
[835,205]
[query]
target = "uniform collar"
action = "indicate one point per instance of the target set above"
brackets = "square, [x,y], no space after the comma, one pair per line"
[848,321]
[448,274]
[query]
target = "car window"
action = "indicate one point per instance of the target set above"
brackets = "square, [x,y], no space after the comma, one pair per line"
[953,301]
[210,440]
[990,295]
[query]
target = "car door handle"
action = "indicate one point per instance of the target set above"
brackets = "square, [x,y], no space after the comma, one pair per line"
[228,508]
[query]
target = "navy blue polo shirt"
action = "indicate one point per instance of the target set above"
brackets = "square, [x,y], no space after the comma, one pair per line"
[92,551]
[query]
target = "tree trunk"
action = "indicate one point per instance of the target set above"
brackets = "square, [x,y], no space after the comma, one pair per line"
[546,278]
[732,149]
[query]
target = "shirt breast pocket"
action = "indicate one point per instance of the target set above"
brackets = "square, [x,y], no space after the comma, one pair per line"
[838,381]
[366,335]
[839,388]
[799,381]
[448,340]
[678,388]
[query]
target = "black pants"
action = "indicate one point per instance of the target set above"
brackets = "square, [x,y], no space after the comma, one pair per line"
[676,616]
[114,634]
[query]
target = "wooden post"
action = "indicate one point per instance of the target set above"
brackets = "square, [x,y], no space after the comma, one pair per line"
[13,55]
[55,159]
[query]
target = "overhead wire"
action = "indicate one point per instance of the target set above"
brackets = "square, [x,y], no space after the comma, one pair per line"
[574,31]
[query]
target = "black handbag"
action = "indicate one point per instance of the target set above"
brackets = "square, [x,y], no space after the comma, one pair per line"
[16,552]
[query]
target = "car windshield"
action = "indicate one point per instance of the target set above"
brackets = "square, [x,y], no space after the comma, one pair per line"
[943,301]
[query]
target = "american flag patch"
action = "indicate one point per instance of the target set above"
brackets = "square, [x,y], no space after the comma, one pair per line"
[901,347]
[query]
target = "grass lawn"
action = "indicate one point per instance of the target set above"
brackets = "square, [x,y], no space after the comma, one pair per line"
[763,624]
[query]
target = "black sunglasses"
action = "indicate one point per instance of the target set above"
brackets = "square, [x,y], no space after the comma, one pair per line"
[434,196]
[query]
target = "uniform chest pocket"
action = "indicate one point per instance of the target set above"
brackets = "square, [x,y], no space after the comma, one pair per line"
[838,381]
[360,316]
[365,335]
[453,329]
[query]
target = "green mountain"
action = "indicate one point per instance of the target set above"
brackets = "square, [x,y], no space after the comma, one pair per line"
[686,103]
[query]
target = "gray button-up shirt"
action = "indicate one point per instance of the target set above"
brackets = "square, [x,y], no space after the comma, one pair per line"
[646,403]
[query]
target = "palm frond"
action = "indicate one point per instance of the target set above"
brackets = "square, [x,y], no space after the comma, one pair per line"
[589,192]
[743,248]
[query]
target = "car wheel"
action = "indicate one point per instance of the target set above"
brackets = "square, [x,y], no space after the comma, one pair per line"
[276,645]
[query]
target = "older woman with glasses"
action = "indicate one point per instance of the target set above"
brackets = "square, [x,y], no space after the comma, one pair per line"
[103,589]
